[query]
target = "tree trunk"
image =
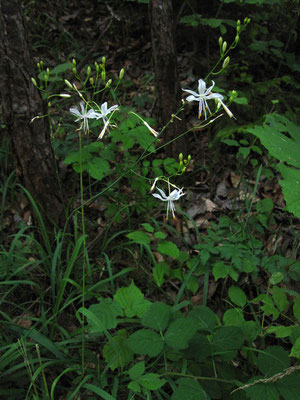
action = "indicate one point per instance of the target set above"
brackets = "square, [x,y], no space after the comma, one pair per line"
[20,103]
[165,67]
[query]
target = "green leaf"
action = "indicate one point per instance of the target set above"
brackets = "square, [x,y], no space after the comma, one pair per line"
[262,391]
[204,317]
[159,271]
[226,341]
[103,316]
[131,299]
[289,386]
[180,332]
[188,389]
[237,296]
[295,352]
[139,237]
[220,270]
[98,168]
[296,308]
[116,352]
[272,360]
[290,188]
[276,278]
[148,227]
[199,348]
[137,371]
[168,248]
[151,381]
[280,331]
[234,316]
[146,342]
[157,316]
[134,386]
[279,298]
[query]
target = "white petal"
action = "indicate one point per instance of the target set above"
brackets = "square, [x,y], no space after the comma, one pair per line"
[201,86]
[191,92]
[103,130]
[193,98]
[75,111]
[210,88]
[112,108]
[214,96]
[158,196]
[104,108]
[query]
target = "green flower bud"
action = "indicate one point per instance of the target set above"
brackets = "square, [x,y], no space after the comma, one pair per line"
[189,158]
[224,47]
[238,22]
[234,93]
[74,70]
[237,38]
[180,165]
[180,157]
[88,71]
[121,73]
[220,41]
[245,20]
[42,64]
[74,62]
[91,80]
[226,62]
[38,66]
[48,71]
[103,60]
[46,77]
[238,29]
[34,82]
[249,20]
[96,66]
[68,84]
[103,75]
[108,83]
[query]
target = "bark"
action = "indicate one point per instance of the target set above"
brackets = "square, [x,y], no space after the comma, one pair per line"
[166,75]
[21,101]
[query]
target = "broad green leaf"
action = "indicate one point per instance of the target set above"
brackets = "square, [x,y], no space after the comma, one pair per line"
[116,352]
[137,371]
[261,391]
[159,271]
[296,308]
[220,270]
[276,278]
[146,342]
[204,317]
[151,381]
[134,386]
[272,360]
[234,317]
[289,386]
[157,316]
[131,299]
[268,306]
[279,298]
[168,248]
[226,341]
[280,331]
[295,352]
[237,296]
[180,332]
[189,389]
[148,227]
[103,316]
[290,188]
[98,168]
[199,348]
[139,237]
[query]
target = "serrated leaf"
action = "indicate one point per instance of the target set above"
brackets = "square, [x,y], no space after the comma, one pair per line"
[159,271]
[237,296]
[220,270]
[289,386]
[189,389]
[180,332]
[157,316]
[168,248]
[272,360]
[295,352]
[134,386]
[148,227]
[290,188]
[146,342]
[296,308]
[226,341]
[131,299]
[279,298]
[199,348]
[262,391]
[151,381]
[116,352]
[98,168]
[103,316]
[204,317]
[139,237]
[137,371]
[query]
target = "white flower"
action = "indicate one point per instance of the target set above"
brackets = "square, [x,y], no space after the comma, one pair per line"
[103,114]
[173,196]
[84,115]
[154,133]
[203,95]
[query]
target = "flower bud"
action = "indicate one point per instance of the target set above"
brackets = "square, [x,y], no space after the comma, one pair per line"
[64,95]
[108,83]
[189,158]
[103,75]
[238,22]
[224,47]
[91,80]
[245,20]
[74,70]
[103,60]
[180,157]
[68,84]
[34,82]
[238,29]
[220,41]
[121,73]
[234,93]
[96,66]
[249,20]
[88,71]
[48,71]
[237,38]
[46,77]
[226,62]
[74,62]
